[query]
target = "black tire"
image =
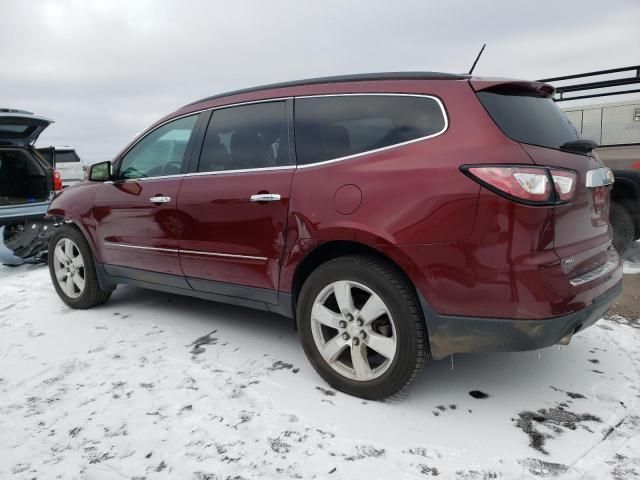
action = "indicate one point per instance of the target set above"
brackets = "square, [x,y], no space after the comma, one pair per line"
[92,294]
[400,299]
[623,227]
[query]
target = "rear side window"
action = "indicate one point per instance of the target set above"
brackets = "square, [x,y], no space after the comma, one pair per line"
[331,127]
[246,137]
[66,157]
[528,118]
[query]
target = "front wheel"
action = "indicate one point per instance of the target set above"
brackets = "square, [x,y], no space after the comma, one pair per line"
[360,326]
[72,270]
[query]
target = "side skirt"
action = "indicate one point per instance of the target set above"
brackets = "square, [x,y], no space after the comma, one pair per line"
[109,276]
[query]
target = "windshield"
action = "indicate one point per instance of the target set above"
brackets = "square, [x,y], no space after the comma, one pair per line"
[529,118]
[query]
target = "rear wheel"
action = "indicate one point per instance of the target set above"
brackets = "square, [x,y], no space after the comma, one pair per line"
[360,326]
[623,227]
[72,270]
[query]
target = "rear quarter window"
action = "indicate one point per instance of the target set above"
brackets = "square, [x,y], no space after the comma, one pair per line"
[332,127]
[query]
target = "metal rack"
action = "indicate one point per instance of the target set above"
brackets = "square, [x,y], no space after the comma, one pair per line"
[632,79]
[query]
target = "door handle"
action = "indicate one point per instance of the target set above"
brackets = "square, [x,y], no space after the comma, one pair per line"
[160,199]
[265,197]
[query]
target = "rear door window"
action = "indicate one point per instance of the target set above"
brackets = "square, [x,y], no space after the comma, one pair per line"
[332,127]
[528,118]
[246,137]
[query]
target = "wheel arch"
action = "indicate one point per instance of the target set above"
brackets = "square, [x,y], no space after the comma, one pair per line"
[329,250]
[74,205]
[61,220]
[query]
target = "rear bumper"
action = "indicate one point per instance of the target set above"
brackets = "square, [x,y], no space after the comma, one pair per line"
[456,334]
[10,214]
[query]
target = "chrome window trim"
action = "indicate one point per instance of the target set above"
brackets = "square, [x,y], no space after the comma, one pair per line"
[189,252]
[144,179]
[285,167]
[600,177]
[395,145]
[242,170]
[251,102]
[200,174]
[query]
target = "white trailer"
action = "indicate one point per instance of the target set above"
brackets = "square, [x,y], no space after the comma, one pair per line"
[615,127]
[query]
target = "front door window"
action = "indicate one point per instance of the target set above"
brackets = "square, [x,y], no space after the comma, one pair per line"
[160,153]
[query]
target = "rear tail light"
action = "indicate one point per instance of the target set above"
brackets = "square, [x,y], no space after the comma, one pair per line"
[524,184]
[565,184]
[57,181]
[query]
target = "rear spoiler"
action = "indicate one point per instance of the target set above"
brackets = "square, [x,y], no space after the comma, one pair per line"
[502,85]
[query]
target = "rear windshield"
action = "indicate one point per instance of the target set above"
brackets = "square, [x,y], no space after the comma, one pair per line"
[66,157]
[528,118]
[13,132]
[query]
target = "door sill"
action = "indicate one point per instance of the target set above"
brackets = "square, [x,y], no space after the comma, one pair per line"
[109,276]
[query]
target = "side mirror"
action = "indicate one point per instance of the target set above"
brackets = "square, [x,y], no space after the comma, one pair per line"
[100,172]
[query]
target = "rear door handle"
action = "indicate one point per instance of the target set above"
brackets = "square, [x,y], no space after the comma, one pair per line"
[265,197]
[160,199]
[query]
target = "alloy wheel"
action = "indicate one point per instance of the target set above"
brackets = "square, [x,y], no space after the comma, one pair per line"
[353,330]
[68,266]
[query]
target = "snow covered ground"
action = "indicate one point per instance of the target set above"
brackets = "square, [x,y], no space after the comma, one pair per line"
[152,385]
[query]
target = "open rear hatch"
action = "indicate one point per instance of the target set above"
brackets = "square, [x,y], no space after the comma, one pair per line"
[525,112]
[26,186]
[25,177]
[19,128]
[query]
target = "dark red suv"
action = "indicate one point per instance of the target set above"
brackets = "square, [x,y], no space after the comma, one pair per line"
[396,217]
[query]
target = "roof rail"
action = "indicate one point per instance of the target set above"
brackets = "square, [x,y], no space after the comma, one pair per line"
[359,77]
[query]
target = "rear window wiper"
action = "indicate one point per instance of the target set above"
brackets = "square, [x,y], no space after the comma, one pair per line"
[579,146]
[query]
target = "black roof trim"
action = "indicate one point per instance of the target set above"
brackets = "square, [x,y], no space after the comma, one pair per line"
[359,77]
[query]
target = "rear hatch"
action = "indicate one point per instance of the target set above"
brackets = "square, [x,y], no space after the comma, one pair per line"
[525,112]
[26,179]
[19,128]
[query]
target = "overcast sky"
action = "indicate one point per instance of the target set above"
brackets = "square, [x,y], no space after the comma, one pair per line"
[104,70]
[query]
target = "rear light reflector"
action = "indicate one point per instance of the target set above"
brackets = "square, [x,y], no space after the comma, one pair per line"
[524,184]
[57,181]
[599,198]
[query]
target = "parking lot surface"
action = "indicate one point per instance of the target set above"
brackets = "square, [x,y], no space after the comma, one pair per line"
[152,385]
